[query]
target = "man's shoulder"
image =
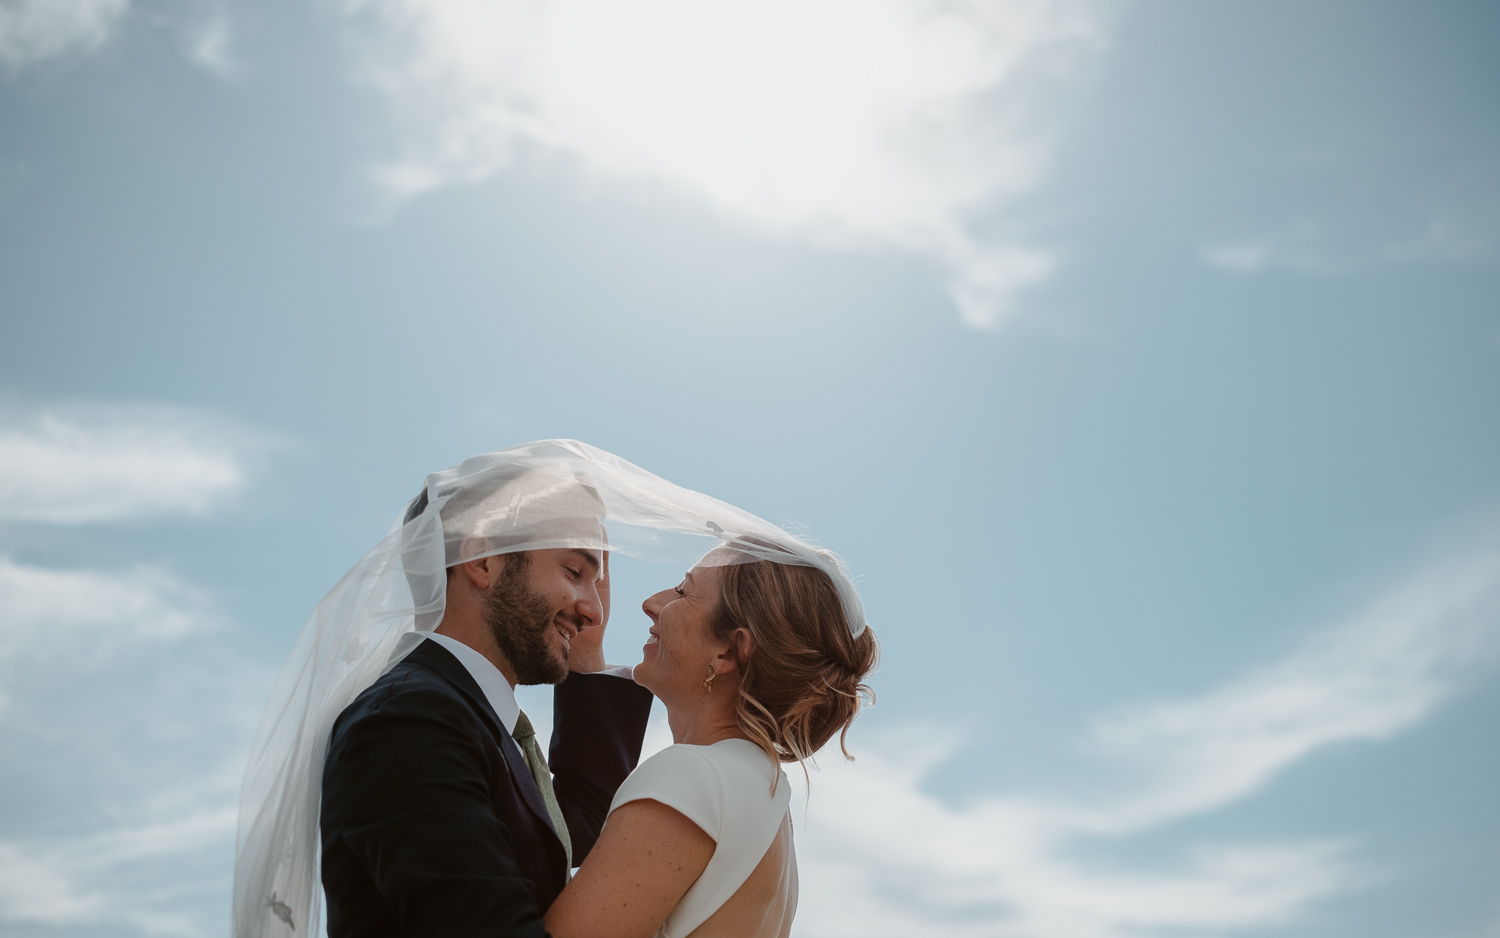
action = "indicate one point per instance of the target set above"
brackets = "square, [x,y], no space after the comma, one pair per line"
[405,679]
[411,688]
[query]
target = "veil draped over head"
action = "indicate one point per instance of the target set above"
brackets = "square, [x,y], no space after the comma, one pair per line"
[548,494]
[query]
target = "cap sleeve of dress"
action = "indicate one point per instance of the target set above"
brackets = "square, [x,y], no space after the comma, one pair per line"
[680,777]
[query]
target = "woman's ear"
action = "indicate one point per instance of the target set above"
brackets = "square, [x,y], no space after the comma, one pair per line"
[742,645]
[736,653]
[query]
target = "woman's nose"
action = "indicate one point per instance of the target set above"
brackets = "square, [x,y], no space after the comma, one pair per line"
[652,606]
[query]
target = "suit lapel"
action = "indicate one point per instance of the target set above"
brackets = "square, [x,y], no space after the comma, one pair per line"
[437,658]
[525,783]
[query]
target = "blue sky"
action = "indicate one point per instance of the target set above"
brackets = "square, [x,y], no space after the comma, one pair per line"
[1141,358]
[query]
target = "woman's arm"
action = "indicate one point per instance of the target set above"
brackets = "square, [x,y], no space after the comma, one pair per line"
[647,857]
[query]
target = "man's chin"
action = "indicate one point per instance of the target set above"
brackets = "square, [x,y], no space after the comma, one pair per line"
[552,670]
[557,668]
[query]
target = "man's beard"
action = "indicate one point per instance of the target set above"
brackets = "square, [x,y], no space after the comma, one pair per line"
[520,618]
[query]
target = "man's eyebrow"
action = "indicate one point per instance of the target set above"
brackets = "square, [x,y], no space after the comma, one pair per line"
[587,556]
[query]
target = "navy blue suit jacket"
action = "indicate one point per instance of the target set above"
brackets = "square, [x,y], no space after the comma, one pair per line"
[431,821]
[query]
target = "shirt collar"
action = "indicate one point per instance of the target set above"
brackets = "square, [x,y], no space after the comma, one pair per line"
[492,683]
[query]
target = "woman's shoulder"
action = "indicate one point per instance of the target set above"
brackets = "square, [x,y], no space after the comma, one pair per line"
[731,762]
[700,780]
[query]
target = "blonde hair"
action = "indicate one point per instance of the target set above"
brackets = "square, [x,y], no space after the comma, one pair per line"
[803,680]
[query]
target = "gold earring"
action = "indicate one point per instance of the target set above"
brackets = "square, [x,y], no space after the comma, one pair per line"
[708,682]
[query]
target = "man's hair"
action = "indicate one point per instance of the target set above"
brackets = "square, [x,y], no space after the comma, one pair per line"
[416,506]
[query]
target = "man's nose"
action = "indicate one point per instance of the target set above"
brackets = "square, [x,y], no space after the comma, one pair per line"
[590,607]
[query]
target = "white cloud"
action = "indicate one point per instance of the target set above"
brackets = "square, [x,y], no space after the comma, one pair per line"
[58,882]
[56,625]
[123,717]
[59,609]
[1300,246]
[1462,234]
[879,856]
[112,465]
[210,46]
[1241,257]
[124,726]
[35,886]
[1371,677]
[32,30]
[880,123]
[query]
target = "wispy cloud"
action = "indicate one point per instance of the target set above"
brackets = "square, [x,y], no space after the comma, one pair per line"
[36,886]
[1299,246]
[895,124]
[122,706]
[1445,239]
[882,857]
[1457,227]
[61,609]
[33,30]
[210,45]
[67,467]
[61,882]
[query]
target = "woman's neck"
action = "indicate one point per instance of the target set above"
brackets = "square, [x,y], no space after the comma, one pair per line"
[705,721]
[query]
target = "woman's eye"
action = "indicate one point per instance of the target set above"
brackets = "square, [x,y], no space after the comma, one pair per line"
[677,590]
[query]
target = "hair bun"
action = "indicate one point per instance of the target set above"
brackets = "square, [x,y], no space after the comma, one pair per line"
[803,682]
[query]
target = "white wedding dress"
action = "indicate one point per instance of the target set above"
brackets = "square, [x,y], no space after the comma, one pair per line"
[725,789]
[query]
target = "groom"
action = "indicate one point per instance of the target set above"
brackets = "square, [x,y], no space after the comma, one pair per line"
[439,814]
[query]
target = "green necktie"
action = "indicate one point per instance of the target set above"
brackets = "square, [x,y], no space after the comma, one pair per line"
[525,735]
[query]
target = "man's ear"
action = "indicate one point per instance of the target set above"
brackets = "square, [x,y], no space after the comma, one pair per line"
[481,572]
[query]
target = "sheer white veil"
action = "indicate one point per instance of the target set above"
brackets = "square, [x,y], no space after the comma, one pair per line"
[552,493]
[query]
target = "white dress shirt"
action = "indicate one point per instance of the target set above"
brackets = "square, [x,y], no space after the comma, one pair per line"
[492,683]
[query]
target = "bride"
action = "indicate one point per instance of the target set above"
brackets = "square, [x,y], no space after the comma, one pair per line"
[756,665]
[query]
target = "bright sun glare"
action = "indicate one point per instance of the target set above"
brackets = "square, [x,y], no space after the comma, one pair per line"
[888,123]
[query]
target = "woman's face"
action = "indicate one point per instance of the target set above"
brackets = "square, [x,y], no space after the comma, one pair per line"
[681,648]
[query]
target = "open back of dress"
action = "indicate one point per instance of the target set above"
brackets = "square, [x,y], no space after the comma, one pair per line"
[765,903]
[749,888]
